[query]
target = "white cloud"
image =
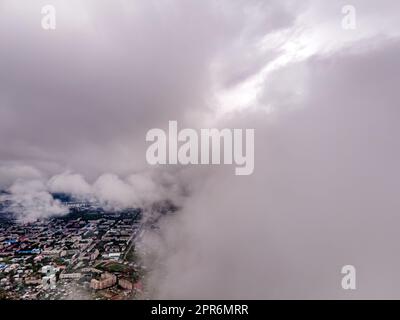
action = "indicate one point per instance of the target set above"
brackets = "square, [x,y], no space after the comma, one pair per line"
[31,201]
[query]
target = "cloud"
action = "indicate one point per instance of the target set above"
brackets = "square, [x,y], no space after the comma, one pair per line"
[71,183]
[9,173]
[324,193]
[133,67]
[30,201]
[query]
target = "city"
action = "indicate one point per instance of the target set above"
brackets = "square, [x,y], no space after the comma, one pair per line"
[88,254]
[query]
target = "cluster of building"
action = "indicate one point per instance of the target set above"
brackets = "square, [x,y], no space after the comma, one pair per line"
[79,256]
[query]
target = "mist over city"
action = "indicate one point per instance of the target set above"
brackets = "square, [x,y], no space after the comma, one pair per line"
[85,215]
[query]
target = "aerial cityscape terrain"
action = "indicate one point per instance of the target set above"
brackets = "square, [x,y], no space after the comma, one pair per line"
[89,253]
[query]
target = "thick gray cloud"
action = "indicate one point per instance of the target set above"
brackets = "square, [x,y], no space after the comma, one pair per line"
[84,95]
[76,103]
[323,194]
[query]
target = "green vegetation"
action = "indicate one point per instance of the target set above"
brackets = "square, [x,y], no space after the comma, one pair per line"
[7,260]
[3,294]
[131,255]
[115,267]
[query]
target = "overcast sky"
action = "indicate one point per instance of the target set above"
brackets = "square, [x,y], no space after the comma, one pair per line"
[76,104]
